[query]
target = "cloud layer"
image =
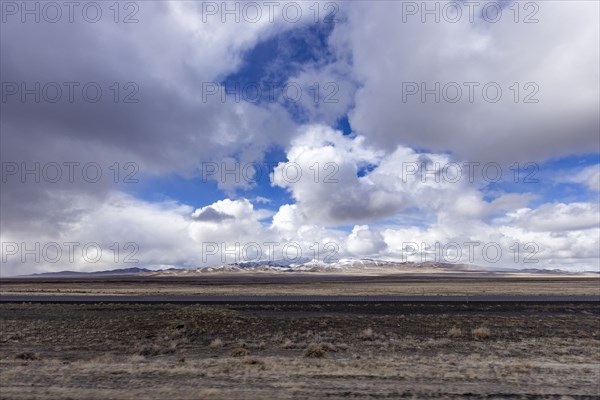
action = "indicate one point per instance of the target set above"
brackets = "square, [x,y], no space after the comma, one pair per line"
[558,56]
[397,184]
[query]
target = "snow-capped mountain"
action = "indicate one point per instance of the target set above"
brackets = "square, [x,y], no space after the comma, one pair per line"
[345,265]
[342,265]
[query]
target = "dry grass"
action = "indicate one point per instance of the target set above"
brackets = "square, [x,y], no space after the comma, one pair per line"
[239,352]
[150,350]
[318,350]
[91,351]
[282,284]
[455,333]
[481,333]
[247,360]
[210,392]
[367,334]
[163,345]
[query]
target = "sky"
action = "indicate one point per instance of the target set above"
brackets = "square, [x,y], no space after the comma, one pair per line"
[184,134]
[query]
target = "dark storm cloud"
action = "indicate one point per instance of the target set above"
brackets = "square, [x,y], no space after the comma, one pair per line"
[150,113]
[209,214]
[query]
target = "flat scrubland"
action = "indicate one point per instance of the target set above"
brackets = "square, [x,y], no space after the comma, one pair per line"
[300,351]
[283,284]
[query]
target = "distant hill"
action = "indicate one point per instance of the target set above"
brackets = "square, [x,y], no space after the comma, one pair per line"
[124,271]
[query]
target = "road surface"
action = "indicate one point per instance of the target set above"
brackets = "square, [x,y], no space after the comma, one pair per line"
[288,299]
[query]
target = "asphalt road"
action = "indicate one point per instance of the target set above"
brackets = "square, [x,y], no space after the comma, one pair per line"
[289,299]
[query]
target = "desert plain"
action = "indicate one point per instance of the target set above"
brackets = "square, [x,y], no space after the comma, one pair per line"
[287,350]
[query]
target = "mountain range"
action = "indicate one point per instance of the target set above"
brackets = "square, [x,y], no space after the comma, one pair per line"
[364,265]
